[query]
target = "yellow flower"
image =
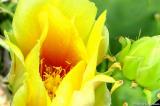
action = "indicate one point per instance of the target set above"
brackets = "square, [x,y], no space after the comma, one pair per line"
[59,45]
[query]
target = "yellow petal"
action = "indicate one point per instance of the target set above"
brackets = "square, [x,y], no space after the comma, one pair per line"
[33,85]
[20,97]
[36,92]
[102,96]
[70,83]
[83,97]
[32,93]
[26,26]
[102,78]
[82,12]
[63,38]
[96,35]
[93,47]
[86,95]
[103,44]
[33,58]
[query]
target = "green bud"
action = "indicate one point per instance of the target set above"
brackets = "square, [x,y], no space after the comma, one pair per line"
[142,62]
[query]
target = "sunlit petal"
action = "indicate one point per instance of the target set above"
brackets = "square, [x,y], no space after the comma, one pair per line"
[82,12]
[69,84]
[63,40]
[93,47]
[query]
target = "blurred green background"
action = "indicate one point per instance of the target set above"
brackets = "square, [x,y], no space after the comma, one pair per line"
[131,18]
[7,8]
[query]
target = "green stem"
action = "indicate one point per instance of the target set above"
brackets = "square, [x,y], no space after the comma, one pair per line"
[6,11]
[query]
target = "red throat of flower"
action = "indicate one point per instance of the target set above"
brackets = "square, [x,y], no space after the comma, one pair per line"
[52,75]
[59,53]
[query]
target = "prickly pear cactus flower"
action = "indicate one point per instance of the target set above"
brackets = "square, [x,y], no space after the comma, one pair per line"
[55,48]
[140,61]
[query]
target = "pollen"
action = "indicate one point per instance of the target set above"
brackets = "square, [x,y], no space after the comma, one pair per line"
[52,77]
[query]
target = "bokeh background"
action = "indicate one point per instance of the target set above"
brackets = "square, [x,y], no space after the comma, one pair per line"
[131,18]
[7,8]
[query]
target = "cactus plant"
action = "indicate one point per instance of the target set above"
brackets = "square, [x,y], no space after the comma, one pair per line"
[132,94]
[142,64]
[140,72]
[130,18]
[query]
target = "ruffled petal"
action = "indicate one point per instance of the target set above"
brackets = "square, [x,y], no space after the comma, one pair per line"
[26,26]
[20,97]
[62,44]
[103,44]
[93,47]
[96,35]
[82,12]
[33,92]
[86,95]
[70,83]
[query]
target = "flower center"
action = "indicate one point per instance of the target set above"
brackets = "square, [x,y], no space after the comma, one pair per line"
[52,76]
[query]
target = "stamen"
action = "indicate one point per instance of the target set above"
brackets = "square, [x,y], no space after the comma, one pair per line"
[52,76]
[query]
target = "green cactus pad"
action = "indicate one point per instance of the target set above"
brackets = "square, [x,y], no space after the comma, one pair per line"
[131,94]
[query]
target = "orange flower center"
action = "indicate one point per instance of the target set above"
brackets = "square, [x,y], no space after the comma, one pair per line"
[52,76]
[59,52]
